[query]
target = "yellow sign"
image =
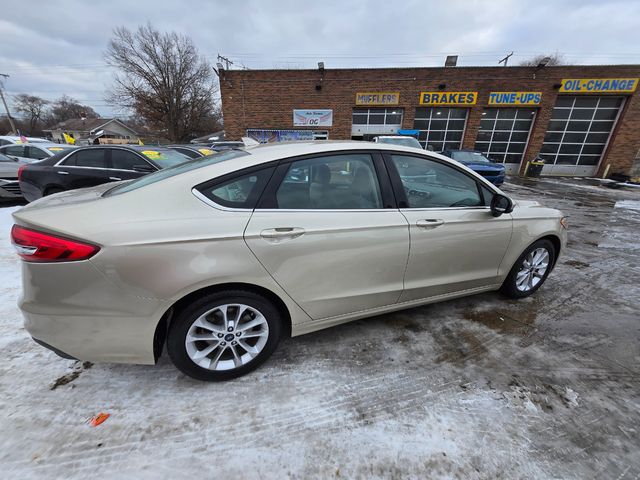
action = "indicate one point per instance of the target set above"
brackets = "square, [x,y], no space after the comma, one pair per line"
[56,149]
[507,99]
[152,154]
[599,85]
[206,151]
[448,98]
[377,98]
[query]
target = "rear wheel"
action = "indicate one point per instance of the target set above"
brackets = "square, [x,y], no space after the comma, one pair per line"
[530,270]
[224,335]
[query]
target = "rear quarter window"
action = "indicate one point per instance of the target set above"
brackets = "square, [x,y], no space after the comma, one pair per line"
[241,190]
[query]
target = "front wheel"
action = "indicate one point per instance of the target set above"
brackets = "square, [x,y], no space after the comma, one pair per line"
[530,270]
[224,335]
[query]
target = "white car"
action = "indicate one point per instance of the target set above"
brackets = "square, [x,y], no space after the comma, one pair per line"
[32,152]
[220,257]
[12,139]
[403,140]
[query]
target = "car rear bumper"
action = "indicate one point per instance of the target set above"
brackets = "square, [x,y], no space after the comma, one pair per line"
[10,189]
[85,316]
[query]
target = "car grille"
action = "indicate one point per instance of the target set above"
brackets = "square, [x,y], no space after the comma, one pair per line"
[488,173]
[11,187]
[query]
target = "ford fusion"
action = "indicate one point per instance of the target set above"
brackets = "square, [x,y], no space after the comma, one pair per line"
[219,258]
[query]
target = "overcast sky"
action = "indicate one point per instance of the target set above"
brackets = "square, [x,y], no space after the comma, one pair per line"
[50,48]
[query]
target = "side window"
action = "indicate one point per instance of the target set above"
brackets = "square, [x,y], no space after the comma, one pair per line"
[241,191]
[4,142]
[36,153]
[88,158]
[430,184]
[14,151]
[332,182]
[187,152]
[126,160]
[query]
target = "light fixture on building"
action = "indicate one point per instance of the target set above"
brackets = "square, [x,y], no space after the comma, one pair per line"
[321,66]
[544,62]
[451,61]
[220,66]
[557,86]
[442,86]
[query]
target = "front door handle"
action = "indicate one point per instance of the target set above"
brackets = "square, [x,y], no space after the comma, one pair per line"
[282,233]
[429,223]
[62,172]
[115,178]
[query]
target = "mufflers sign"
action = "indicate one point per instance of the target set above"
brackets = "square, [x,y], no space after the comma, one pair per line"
[448,98]
[377,98]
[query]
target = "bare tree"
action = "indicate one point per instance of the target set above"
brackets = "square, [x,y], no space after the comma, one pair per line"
[66,108]
[163,79]
[554,59]
[32,107]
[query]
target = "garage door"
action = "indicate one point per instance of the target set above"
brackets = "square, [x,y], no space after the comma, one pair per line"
[503,135]
[578,133]
[440,128]
[369,122]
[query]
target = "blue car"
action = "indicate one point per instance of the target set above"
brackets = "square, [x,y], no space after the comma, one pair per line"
[476,161]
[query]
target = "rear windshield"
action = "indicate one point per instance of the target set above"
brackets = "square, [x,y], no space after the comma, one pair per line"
[174,170]
[164,157]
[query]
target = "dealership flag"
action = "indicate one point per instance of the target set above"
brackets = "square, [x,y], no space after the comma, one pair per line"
[68,138]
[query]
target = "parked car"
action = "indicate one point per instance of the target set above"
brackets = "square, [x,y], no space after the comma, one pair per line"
[9,187]
[476,161]
[90,166]
[398,140]
[221,257]
[32,152]
[193,151]
[12,139]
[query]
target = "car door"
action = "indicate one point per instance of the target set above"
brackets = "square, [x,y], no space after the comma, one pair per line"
[456,243]
[125,165]
[83,168]
[328,232]
[17,152]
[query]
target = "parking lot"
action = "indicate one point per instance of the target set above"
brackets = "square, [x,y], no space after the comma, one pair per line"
[480,387]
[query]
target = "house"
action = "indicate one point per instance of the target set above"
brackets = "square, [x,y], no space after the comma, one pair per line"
[93,131]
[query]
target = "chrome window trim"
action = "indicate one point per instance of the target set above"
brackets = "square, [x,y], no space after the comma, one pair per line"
[60,164]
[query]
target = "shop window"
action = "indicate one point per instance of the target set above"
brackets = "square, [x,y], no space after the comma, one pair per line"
[504,132]
[440,128]
[579,129]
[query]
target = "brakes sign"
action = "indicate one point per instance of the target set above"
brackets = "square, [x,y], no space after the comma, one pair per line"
[448,98]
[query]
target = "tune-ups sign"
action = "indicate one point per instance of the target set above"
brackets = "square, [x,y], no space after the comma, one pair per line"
[312,118]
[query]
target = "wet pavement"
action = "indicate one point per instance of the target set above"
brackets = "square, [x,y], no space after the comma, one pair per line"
[480,387]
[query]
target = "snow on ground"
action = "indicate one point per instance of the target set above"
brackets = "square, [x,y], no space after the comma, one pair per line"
[479,387]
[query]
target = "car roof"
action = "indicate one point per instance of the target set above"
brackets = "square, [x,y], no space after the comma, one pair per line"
[15,138]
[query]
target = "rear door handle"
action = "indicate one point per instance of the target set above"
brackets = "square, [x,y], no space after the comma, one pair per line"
[115,178]
[61,172]
[282,233]
[429,223]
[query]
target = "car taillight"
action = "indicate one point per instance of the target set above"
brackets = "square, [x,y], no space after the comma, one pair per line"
[35,246]
[20,170]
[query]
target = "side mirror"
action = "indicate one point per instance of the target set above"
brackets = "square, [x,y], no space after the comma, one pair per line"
[144,168]
[501,204]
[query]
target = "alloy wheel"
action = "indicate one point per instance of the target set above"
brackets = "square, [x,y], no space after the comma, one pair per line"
[533,269]
[227,337]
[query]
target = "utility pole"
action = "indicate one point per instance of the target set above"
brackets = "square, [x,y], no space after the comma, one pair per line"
[6,107]
[225,60]
[505,59]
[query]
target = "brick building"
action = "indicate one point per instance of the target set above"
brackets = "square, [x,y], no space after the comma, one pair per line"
[585,120]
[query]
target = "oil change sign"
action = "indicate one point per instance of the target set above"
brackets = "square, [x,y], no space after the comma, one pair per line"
[599,85]
[505,99]
[448,98]
[312,118]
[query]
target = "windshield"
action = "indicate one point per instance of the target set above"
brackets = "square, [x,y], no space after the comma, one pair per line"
[164,157]
[185,166]
[471,157]
[404,141]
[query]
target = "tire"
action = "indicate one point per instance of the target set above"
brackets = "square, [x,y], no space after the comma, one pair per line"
[221,353]
[511,286]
